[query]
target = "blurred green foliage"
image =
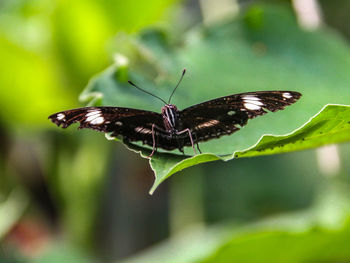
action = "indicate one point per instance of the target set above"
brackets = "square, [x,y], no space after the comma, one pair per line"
[49,50]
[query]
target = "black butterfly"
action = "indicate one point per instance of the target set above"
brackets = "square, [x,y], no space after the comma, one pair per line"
[173,128]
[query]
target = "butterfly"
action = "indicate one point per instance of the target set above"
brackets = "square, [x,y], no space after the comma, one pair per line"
[173,128]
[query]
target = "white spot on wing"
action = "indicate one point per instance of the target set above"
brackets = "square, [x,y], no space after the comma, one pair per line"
[250,97]
[251,106]
[91,116]
[287,95]
[119,123]
[93,112]
[255,102]
[252,102]
[60,116]
[143,130]
[207,124]
[97,120]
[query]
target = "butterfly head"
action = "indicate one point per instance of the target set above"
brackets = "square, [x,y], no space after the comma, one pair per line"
[170,115]
[169,107]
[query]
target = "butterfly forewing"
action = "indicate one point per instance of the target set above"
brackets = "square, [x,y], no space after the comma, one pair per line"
[225,115]
[132,124]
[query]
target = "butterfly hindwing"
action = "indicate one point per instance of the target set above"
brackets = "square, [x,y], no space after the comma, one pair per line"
[225,115]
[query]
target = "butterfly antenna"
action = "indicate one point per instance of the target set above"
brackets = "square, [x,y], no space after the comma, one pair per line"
[145,91]
[183,73]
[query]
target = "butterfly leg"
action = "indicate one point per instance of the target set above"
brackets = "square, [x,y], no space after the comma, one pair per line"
[195,135]
[180,145]
[182,150]
[198,147]
[190,135]
[154,143]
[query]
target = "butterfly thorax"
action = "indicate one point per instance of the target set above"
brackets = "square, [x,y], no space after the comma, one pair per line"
[170,115]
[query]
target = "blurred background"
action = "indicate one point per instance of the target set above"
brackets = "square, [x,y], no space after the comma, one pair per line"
[68,195]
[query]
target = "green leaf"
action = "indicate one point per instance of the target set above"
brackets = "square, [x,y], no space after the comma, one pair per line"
[317,234]
[315,245]
[296,237]
[308,236]
[331,125]
[248,54]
